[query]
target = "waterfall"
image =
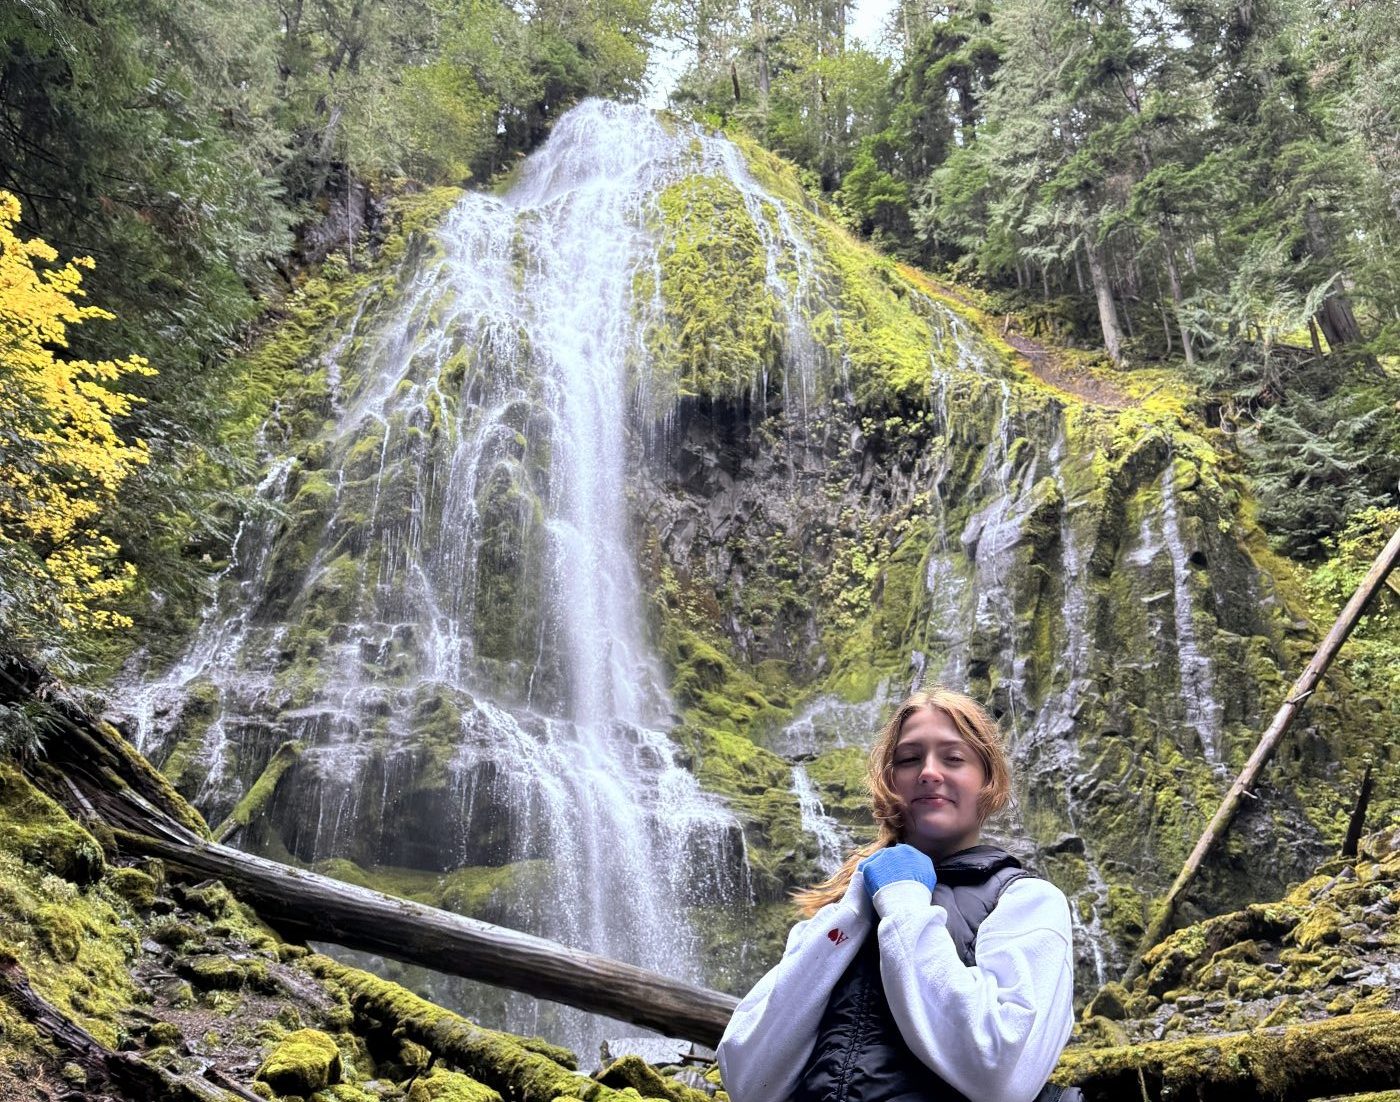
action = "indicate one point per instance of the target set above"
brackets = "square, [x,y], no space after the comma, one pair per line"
[833,843]
[440,598]
[1203,711]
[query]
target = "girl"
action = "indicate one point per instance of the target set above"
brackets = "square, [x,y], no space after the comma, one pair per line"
[931,967]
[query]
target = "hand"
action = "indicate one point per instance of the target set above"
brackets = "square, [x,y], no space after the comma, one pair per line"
[901,862]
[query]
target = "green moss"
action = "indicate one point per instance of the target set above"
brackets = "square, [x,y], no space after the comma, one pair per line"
[255,799]
[133,885]
[163,1033]
[74,943]
[302,1063]
[839,776]
[59,932]
[441,1085]
[1299,1061]
[719,324]
[634,1072]
[497,1060]
[36,830]
[486,892]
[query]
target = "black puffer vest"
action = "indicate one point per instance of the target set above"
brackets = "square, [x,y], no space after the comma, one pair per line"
[859,1055]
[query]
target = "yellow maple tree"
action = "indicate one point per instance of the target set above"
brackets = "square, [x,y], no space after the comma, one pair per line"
[61,458]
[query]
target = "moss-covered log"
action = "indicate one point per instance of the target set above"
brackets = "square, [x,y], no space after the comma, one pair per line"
[303,904]
[87,760]
[1313,1060]
[124,1072]
[257,796]
[496,1059]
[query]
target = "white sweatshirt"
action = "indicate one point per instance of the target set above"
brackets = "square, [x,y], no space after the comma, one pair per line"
[993,1031]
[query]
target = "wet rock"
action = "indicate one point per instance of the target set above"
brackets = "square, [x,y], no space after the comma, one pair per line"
[1109,1003]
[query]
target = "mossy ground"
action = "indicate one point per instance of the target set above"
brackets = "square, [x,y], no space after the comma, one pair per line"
[184,977]
[1325,949]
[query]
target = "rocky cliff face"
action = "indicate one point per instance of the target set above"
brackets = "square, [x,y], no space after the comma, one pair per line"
[601,522]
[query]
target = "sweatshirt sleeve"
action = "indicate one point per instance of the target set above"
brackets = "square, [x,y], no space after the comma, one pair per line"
[994,1031]
[770,1036]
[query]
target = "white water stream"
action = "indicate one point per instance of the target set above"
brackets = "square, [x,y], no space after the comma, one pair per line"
[485,420]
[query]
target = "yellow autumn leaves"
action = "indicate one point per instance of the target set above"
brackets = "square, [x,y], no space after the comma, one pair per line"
[61,459]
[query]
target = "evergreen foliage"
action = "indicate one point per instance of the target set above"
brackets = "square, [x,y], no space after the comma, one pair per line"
[202,153]
[1182,178]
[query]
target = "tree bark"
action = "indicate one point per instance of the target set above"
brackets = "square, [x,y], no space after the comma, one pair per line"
[1178,298]
[1352,842]
[1268,743]
[1336,317]
[760,35]
[306,905]
[1103,293]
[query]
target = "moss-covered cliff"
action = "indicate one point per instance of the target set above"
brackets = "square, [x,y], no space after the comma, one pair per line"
[840,479]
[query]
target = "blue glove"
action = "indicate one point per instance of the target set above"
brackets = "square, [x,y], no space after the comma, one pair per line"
[901,862]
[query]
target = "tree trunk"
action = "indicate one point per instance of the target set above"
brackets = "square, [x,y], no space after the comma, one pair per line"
[1103,293]
[760,37]
[303,904]
[1178,299]
[1337,318]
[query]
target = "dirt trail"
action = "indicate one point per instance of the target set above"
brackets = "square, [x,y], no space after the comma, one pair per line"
[1044,361]
[1052,370]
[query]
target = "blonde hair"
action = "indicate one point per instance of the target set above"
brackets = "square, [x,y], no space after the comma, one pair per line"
[977,728]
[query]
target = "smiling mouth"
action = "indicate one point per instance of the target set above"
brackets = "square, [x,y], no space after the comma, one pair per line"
[932,800]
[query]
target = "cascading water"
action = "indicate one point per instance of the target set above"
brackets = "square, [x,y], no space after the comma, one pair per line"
[444,607]
[1203,711]
[833,843]
[440,599]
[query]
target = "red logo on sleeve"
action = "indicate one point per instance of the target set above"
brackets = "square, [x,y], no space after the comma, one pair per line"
[837,935]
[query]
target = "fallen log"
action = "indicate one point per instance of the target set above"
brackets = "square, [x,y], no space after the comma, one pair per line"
[498,1060]
[91,769]
[305,905]
[1336,1056]
[125,1072]
[263,788]
[88,765]
[1303,688]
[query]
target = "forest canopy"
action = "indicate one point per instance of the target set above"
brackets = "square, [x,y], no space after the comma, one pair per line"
[1206,183]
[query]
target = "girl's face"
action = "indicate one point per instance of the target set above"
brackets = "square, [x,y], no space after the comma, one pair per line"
[939,779]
